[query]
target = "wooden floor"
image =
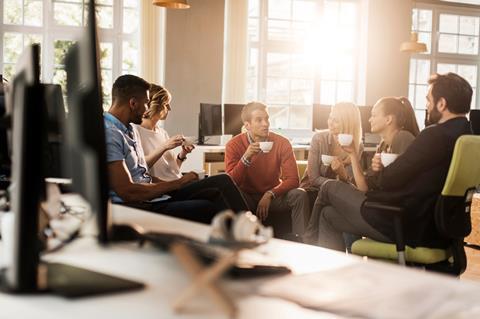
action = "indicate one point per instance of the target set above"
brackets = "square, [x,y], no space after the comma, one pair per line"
[473,265]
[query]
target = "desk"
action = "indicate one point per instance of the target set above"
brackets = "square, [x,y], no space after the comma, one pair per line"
[210,158]
[164,278]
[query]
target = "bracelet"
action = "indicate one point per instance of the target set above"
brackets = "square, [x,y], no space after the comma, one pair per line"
[180,158]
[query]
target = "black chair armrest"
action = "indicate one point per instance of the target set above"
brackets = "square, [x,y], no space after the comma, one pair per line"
[395,212]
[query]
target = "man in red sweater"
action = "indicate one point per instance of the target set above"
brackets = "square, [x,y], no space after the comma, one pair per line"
[268,180]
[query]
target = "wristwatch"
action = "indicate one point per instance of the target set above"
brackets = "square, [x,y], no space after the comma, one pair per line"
[181,158]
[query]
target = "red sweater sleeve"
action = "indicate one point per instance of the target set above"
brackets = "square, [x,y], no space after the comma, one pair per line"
[289,171]
[234,167]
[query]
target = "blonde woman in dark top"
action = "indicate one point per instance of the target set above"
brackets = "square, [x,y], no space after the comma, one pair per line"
[393,118]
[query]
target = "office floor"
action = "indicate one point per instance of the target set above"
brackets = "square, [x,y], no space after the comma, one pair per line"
[473,255]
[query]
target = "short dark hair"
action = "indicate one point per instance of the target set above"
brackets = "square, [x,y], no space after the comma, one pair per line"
[128,86]
[456,91]
[249,108]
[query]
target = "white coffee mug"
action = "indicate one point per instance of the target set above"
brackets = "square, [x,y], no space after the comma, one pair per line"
[345,139]
[189,140]
[327,159]
[246,227]
[266,146]
[387,158]
[201,174]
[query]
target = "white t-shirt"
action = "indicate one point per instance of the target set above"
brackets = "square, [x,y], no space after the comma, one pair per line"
[166,168]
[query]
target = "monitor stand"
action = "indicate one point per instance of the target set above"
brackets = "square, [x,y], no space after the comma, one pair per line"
[74,282]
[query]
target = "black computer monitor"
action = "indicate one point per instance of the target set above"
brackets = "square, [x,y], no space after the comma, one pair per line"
[320,116]
[475,121]
[56,118]
[85,133]
[27,188]
[4,126]
[209,121]
[232,118]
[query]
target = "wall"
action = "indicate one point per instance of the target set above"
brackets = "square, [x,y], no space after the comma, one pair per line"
[386,73]
[193,61]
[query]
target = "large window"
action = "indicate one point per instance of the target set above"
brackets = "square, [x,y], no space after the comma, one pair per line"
[301,52]
[452,37]
[57,24]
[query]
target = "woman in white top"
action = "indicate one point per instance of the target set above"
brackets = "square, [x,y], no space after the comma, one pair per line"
[156,142]
[163,163]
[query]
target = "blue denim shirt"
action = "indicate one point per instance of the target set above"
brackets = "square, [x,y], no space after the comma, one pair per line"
[122,145]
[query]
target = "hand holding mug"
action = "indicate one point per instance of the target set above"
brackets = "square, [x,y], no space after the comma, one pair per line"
[339,168]
[253,148]
[377,163]
[173,142]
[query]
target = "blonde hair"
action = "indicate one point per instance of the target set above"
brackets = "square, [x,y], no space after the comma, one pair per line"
[350,121]
[159,100]
[248,109]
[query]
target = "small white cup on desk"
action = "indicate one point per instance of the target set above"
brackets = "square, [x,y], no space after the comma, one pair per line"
[387,158]
[266,146]
[345,139]
[327,159]
[189,140]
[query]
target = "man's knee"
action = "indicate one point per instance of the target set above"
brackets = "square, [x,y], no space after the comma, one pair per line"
[297,195]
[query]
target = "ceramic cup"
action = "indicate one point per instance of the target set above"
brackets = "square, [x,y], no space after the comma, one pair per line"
[266,146]
[327,159]
[345,139]
[388,158]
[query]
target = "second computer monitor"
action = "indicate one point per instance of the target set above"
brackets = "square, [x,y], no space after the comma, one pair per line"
[233,119]
[209,121]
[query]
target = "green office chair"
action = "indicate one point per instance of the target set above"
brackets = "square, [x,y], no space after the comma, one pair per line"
[452,217]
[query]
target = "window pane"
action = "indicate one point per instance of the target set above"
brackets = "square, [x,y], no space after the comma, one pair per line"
[106,55]
[304,10]
[448,43]
[279,9]
[130,3]
[427,39]
[443,68]
[300,117]
[252,75]
[278,116]
[329,69]
[301,92]
[348,14]
[33,13]
[253,8]
[346,68]
[130,57]
[424,20]
[344,91]
[278,91]
[106,88]
[469,72]
[12,12]
[60,48]
[327,92]
[468,45]
[130,20]
[278,30]
[68,14]
[12,47]
[253,29]
[420,115]
[412,73]
[420,96]
[8,71]
[469,25]
[105,17]
[301,66]
[423,71]
[278,64]
[60,77]
[411,94]
[448,23]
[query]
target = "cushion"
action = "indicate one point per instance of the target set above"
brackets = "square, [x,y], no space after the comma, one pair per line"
[375,249]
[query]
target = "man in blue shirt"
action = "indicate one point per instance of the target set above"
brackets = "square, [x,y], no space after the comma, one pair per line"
[130,182]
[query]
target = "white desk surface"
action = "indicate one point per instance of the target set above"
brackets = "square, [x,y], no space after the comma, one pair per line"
[165,278]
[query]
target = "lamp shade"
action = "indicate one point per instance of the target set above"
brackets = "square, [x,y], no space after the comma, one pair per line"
[174,4]
[413,46]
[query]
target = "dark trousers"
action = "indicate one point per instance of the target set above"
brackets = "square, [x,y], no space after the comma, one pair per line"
[197,210]
[218,189]
[339,211]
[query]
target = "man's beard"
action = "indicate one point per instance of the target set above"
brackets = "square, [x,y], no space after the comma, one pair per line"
[432,117]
